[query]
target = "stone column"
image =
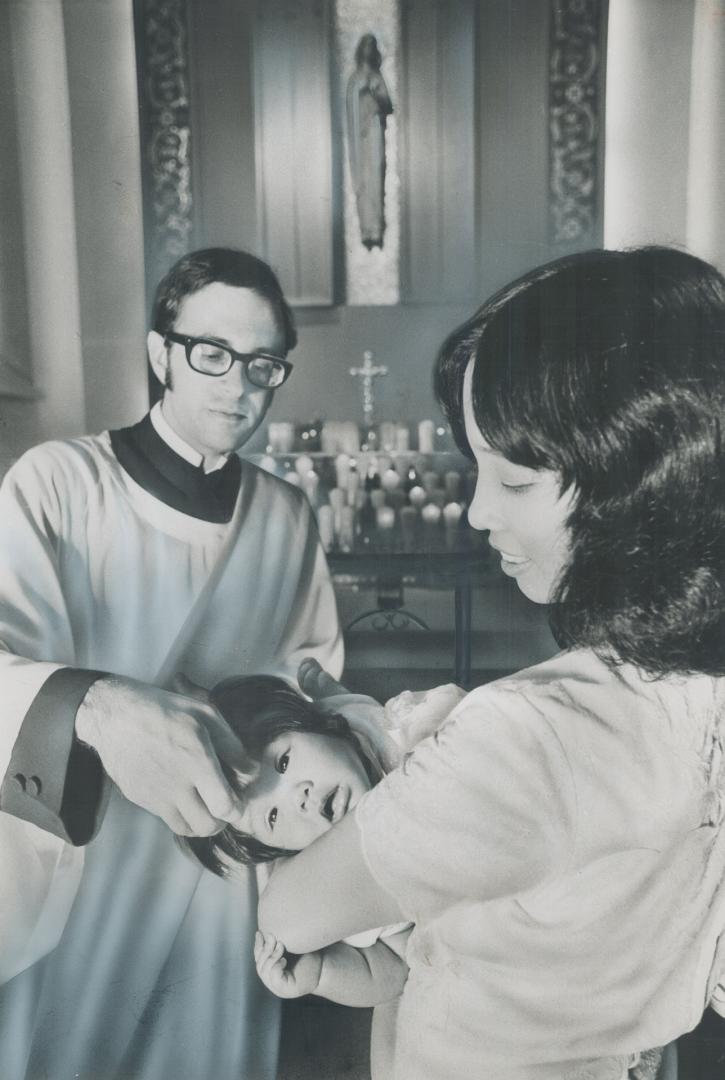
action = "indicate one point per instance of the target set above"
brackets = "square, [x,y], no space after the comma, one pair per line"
[706,172]
[48,213]
[647,94]
[104,113]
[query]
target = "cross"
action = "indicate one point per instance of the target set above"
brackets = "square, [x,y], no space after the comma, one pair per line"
[368,372]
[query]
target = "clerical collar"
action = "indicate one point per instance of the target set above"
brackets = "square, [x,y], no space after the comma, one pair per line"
[179,445]
[170,476]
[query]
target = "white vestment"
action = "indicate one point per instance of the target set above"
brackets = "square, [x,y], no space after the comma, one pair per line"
[153,978]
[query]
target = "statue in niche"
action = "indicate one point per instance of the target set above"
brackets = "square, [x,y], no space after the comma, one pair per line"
[368,106]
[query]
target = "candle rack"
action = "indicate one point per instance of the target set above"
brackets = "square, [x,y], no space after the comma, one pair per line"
[399,502]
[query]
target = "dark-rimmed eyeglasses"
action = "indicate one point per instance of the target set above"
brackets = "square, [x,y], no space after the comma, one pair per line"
[210,358]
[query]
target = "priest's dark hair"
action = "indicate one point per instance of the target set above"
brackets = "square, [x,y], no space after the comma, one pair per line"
[228,266]
[258,708]
[608,367]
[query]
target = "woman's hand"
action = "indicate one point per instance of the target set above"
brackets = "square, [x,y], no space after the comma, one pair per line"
[285,976]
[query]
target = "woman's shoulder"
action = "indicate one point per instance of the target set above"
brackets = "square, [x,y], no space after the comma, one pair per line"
[564,699]
[550,681]
[587,702]
[578,675]
[544,685]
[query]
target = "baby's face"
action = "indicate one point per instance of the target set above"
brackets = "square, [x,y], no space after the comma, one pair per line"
[306,783]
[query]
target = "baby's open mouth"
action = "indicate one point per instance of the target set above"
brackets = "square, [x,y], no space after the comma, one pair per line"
[328,807]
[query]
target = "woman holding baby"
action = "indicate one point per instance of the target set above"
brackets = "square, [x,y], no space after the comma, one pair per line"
[559,841]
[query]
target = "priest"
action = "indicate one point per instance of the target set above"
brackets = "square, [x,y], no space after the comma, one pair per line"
[134,565]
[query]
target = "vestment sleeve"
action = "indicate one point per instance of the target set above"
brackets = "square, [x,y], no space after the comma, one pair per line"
[49,778]
[482,809]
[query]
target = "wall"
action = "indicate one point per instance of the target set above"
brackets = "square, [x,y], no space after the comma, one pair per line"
[101,128]
[405,339]
[665,136]
[513,191]
[71,245]
[648,72]
[18,425]
[107,189]
[505,140]
[47,268]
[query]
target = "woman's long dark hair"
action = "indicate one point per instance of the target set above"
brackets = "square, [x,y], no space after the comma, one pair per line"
[609,368]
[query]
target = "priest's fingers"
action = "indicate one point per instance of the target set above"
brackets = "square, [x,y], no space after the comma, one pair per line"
[221,804]
[176,822]
[225,743]
[196,818]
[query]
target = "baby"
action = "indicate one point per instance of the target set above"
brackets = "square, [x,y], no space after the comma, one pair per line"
[312,762]
[309,769]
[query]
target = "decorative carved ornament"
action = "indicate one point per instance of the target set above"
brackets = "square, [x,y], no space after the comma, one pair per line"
[164,86]
[574,120]
[371,276]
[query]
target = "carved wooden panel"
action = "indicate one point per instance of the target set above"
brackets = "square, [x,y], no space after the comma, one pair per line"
[161,44]
[295,203]
[439,150]
[576,120]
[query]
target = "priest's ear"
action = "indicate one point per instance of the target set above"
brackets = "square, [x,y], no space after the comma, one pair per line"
[158,356]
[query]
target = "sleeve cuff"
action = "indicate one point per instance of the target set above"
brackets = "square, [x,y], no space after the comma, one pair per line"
[54,780]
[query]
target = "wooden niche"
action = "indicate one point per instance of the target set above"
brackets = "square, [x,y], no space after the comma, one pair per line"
[262,135]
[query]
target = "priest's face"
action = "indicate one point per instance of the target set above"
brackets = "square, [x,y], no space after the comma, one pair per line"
[216,415]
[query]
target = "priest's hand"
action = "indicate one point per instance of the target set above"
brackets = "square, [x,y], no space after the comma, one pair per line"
[164,751]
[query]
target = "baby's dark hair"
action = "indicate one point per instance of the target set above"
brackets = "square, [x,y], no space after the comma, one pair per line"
[225,266]
[258,708]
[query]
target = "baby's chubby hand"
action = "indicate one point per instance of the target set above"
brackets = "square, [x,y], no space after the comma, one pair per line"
[316,682]
[285,976]
[364,714]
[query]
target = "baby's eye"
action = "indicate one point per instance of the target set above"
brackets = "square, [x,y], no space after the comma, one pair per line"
[283,762]
[517,487]
[272,817]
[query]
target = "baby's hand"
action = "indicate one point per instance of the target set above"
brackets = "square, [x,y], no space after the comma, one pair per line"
[364,714]
[316,682]
[287,978]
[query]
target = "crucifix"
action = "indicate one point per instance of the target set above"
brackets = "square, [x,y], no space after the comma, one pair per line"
[367,373]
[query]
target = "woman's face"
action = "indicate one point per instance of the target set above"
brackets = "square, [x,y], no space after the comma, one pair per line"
[305,785]
[523,509]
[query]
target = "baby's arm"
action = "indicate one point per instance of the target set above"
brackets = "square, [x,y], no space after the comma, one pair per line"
[339,972]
